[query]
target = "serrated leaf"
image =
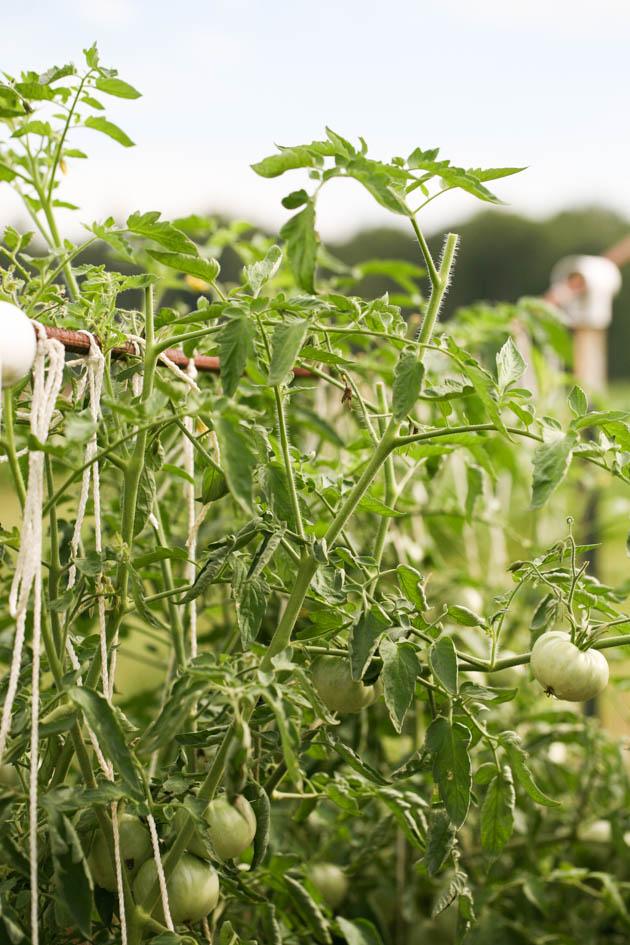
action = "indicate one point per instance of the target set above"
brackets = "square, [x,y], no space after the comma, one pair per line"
[440,841]
[301,245]
[411,583]
[104,720]
[206,269]
[108,128]
[510,365]
[286,342]
[408,375]
[517,757]
[474,489]
[464,616]
[448,745]
[578,401]
[370,503]
[291,158]
[250,598]
[551,463]
[239,458]
[400,671]
[364,639]
[72,881]
[236,345]
[359,931]
[151,227]
[443,662]
[258,273]
[117,87]
[497,812]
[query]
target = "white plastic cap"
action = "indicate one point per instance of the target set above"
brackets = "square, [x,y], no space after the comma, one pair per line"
[18,344]
[591,284]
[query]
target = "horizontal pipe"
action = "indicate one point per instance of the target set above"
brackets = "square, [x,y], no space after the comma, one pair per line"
[79,343]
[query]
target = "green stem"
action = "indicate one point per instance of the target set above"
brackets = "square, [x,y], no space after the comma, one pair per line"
[286,456]
[390,492]
[177,629]
[426,253]
[9,435]
[62,138]
[439,288]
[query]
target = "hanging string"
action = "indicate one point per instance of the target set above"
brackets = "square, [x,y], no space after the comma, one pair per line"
[93,379]
[155,843]
[27,579]
[191,540]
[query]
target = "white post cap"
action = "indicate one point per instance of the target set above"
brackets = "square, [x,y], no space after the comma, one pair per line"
[585,286]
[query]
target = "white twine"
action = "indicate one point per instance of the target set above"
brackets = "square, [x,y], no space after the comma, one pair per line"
[28,577]
[193,527]
[119,873]
[93,379]
[137,382]
[155,843]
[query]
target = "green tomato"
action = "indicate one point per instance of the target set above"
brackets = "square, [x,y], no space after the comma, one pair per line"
[330,881]
[9,777]
[565,671]
[135,848]
[337,689]
[231,827]
[193,889]
[598,831]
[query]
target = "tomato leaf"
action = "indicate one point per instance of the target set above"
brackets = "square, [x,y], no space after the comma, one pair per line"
[71,875]
[236,345]
[286,342]
[364,639]
[301,243]
[359,931]
[551,462]
[578,401]
[151,227]
[116,87]
[411,583]
[400,671]
[250,597]
[408,376]
[108,128]
[206,269]
[104,720]
[510,365]
[443,662]
[448,745]
[517,757]
[258,273]
[440,840]
[497,812]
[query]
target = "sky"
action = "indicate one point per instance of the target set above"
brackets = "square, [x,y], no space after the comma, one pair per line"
[542,83]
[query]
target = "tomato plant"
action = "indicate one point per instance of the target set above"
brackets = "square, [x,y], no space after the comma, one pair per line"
[280,618]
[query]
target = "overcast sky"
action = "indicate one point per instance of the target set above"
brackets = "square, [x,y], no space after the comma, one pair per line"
[542,83]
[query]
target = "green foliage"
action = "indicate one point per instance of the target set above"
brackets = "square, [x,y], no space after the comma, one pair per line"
[367,508]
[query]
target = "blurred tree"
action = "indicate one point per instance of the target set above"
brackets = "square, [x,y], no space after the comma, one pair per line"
[504,256]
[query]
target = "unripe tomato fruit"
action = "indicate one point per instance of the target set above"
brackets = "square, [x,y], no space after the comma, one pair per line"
[231,827]
[9,777]
[330,881]
[598,831]
[135,848]
[337,689]
[193,889]
[565,671]
[17,344]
